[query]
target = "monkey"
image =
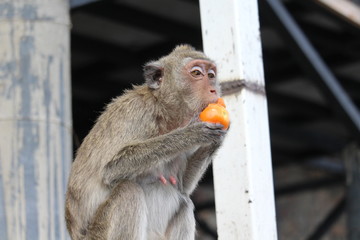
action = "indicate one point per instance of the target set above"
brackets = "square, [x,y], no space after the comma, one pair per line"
[135,171]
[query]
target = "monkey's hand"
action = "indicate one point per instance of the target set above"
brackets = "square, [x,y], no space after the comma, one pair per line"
[208,133]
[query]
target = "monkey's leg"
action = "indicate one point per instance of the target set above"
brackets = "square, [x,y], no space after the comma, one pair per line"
[196,166]
[182,225]
[122,216]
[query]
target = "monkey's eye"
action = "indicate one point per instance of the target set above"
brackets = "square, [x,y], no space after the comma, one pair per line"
[196,71]
[211,73]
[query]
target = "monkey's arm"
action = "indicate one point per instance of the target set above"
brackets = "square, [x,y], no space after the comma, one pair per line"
[197,165]
[138,157]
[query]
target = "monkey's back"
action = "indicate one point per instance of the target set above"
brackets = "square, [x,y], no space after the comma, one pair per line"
[86,188]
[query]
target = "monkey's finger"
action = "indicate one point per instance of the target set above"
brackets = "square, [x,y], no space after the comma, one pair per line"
[214,125]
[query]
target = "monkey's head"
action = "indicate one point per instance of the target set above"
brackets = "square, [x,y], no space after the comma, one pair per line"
[186,77]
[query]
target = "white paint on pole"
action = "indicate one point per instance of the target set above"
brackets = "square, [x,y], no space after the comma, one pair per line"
[35,118]
[244,197]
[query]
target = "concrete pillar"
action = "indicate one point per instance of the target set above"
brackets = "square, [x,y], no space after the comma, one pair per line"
[35,118]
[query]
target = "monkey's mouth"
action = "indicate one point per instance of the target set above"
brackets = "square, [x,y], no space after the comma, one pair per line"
[213,91]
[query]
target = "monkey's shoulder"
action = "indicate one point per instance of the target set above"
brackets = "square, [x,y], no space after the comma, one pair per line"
[128,116]
[135,102]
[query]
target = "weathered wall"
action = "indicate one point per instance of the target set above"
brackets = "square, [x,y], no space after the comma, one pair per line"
[35,118]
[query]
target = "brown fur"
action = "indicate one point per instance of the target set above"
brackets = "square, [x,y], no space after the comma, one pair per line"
[150,131]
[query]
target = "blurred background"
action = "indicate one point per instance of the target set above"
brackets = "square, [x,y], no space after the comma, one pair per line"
[310,128]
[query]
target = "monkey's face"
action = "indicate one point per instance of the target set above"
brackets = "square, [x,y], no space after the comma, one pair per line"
[200,76]
[185,78]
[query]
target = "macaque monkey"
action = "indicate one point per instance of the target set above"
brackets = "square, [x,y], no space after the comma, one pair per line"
[135,171]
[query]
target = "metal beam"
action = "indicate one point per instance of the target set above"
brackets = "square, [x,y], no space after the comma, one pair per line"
[308,139]
[351,156]
[78,3]
[347,10]
[313,65]
[316,7]
[297,106]
[310,185]
[128,15]
[329,221]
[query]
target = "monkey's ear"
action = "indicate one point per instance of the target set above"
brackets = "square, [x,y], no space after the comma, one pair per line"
[153,73]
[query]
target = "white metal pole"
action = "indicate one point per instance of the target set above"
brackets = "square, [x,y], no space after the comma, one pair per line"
[35,118]
[244,197]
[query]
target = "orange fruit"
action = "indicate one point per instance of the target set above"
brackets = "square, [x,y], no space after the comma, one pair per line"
[221,102]
[216,113]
